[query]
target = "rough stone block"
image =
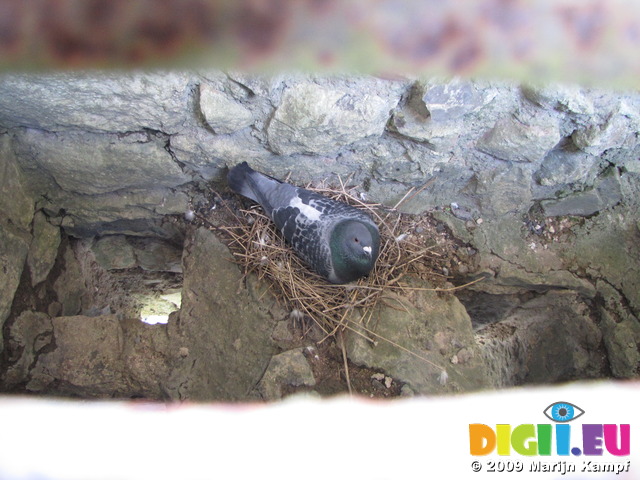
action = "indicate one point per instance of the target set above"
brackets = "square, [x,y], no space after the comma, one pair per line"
[621,333]
[287,369]
[620,126]
[13,252]
[567,165]
[86,359]
[453,100]
[513,140]
[605,193]
[43,249]
[226,327]
[28,335]
[16,204]
[427,335]
[321,119]
[108,102]
[548,339]
[569,98]
[89,163]
[221,113]
[113,252]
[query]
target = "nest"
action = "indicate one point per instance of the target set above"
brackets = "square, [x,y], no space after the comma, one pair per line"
[259,248]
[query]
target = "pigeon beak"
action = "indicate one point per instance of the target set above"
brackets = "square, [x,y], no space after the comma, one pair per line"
[367,250]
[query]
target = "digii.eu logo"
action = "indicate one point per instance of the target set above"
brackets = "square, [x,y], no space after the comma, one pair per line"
[547,439]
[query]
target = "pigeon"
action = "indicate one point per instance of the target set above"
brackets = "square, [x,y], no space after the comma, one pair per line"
[338,241]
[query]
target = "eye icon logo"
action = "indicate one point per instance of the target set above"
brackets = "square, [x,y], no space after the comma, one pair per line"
[563,412]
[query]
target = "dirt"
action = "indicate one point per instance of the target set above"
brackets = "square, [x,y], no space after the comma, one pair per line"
[547,230]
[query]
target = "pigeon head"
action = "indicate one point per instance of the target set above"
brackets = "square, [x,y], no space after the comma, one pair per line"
[354,250]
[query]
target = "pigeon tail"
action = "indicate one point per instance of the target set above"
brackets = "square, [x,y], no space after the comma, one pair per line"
[246,181]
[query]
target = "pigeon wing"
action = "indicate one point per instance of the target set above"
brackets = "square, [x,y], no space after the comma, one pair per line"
[304,222]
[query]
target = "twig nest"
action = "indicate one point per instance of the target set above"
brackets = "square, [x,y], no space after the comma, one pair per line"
[259,248]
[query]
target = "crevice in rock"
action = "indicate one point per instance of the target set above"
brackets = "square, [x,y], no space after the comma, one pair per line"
[197,110]
[487,308]
[552,338]
[250,93]
[623,301]
[174,157]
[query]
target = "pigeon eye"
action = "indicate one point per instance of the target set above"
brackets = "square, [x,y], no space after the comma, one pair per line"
[356,240]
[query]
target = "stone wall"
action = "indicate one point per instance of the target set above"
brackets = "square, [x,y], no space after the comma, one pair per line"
[540,182]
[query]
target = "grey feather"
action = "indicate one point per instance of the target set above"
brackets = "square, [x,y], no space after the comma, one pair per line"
[338,241]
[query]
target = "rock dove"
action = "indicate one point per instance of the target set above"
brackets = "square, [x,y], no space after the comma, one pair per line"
[338,241]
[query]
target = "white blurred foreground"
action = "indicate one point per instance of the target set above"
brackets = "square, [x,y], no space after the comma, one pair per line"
[301,438]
